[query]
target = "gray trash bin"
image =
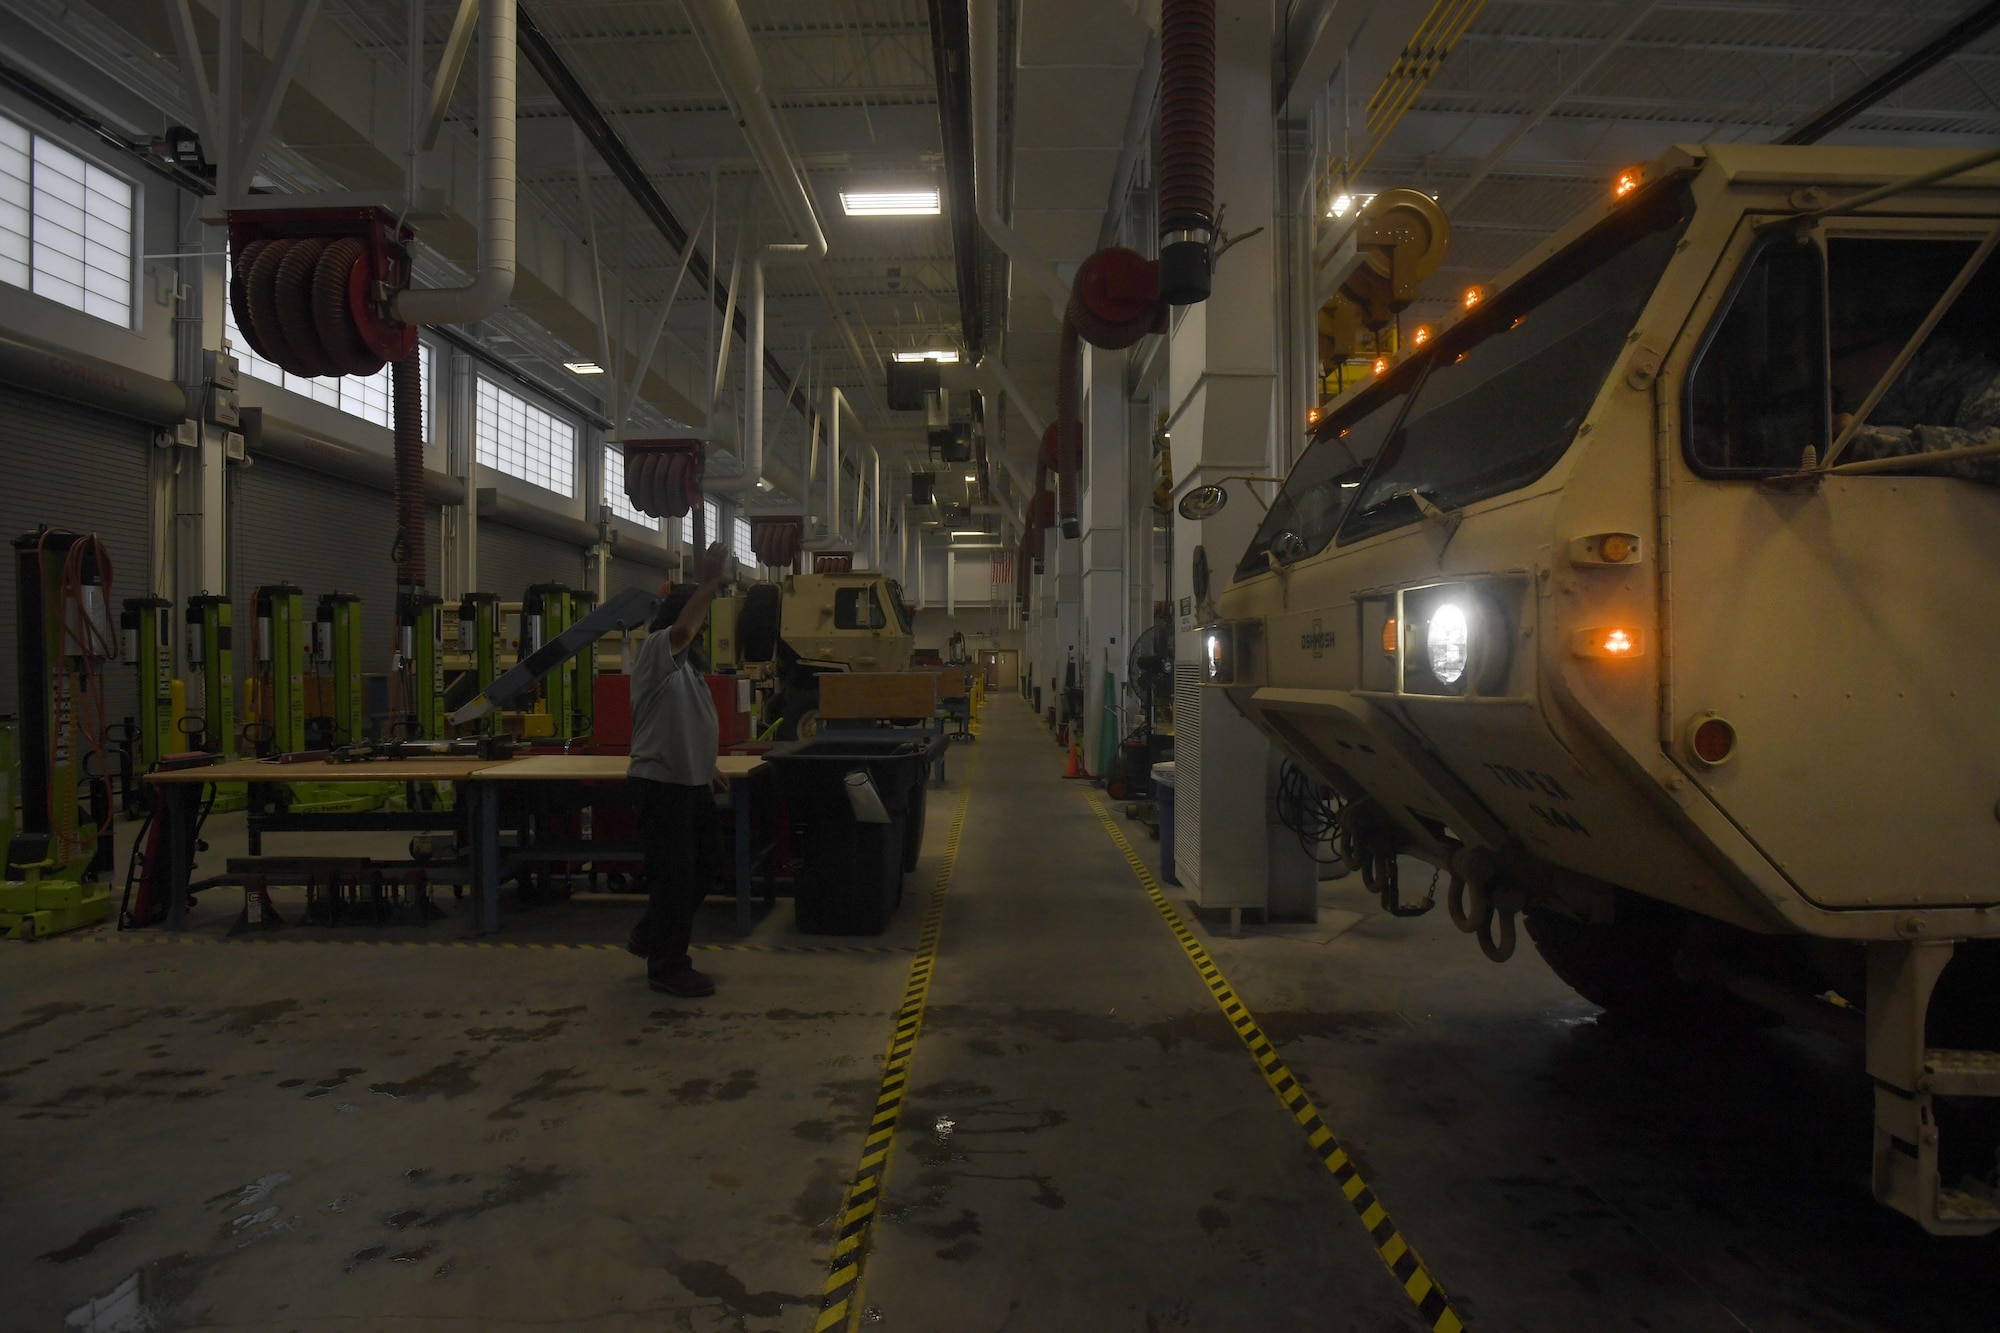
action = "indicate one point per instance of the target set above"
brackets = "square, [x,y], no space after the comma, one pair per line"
[1163,795]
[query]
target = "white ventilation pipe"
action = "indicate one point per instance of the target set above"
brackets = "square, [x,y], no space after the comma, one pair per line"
[836,404]
[875,511]
[498,189]
[725,39]
[985,43]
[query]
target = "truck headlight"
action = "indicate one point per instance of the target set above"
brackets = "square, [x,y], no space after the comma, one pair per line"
[1218,655]
[1448,643]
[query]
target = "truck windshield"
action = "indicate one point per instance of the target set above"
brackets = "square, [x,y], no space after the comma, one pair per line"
[896,607]
[1324,482]
[1501,396]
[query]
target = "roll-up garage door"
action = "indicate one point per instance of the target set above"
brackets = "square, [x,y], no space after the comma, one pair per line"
[321,534]
[625,574]
[72,467]
[510,560]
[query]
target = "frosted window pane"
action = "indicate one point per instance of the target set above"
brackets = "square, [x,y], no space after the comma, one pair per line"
[520,439]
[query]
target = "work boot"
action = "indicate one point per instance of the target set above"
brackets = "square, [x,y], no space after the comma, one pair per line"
[683,981]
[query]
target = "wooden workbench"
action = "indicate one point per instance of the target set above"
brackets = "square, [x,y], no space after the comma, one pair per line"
[483,800]
[376,770]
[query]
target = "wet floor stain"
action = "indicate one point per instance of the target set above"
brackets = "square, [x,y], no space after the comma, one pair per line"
[360,1257]
[1211,1218]
[243,1019]
[512,1035]
[551,1085]
[97,1235]
[415,1254]
[40,1015]
[324,1087]
[518,1185]
[714,1282]
[448,1081]
[740,1084]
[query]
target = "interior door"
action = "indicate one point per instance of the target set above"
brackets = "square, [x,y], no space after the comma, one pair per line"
[1848,629]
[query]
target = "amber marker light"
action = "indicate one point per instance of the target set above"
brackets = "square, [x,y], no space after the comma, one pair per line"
[1628,180]
[1610,643]
[1381,364]
[1312,417]
[1473,296]
[1389,636]
[1421,336]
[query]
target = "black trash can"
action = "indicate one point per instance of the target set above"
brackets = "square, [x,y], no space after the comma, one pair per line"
[849,873]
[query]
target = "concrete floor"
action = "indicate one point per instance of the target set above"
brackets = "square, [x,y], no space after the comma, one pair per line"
[313,1133]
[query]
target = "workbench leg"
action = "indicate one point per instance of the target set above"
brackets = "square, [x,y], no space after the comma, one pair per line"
[178,801]
[485,857]
[739,805]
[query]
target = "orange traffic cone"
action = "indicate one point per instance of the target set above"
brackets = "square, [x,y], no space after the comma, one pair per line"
[1075,769]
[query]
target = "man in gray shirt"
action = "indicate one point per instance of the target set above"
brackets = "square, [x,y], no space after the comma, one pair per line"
[674,741]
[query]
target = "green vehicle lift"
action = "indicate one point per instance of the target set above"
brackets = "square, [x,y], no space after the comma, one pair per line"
[583,669]
[282,634]
[56,858]
[146,632]
[211,656]
[545,614]
[337,657]
[479,638]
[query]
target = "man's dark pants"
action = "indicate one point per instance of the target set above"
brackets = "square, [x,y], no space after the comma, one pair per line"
[676,827]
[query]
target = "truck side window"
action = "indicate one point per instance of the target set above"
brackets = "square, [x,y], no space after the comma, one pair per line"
[876,618]
[847,613]
[1880,289]
[1757,395]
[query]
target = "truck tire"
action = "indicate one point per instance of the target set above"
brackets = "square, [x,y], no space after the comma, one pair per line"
[798,714]
[757,623]
[1626,967]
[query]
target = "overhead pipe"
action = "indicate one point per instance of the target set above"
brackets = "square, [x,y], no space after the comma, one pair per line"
[499,188]
[836,405]
[985,37]
[725,39]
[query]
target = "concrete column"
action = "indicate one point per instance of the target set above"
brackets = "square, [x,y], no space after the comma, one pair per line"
[1222,399]
[1106,644]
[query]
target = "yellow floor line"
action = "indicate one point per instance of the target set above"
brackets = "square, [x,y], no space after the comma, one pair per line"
[1396,1253]
[840,1300]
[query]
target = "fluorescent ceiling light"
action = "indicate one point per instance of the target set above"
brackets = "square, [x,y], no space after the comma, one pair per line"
[944,356]
[583,368]
[974,532]
[972,476]
[890,203]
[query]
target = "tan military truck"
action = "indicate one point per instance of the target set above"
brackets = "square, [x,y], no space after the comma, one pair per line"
[805,625]
[1656,600]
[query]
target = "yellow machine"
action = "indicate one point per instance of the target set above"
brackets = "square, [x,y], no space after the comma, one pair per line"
[1653,599]
[806,625]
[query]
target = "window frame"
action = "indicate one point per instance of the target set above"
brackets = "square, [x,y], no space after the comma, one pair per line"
[481,379]
[1746,265]
[1745,246]
[134,321]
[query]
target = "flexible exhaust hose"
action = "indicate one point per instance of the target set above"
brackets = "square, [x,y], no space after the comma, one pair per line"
[1187,148]
[407,380]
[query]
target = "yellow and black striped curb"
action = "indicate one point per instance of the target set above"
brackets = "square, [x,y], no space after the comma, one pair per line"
[1395,1252]
[468,944]
[840,1299]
